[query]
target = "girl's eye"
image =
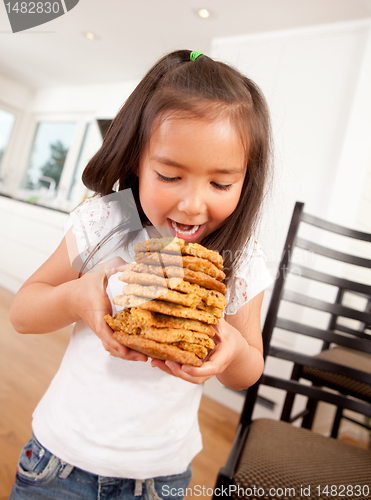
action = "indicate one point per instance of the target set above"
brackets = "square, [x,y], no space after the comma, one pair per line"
[166,179]
[223,187]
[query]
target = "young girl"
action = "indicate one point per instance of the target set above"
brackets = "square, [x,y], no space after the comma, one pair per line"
[189,153]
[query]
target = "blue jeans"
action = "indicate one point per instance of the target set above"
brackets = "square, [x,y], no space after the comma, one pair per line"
[43,476]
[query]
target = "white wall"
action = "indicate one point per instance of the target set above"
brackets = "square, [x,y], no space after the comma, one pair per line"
[101,100]
[29,235]
[311,78]
[353,174]
[14,94]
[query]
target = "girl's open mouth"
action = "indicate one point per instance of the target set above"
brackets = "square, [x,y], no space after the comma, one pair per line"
[185,231]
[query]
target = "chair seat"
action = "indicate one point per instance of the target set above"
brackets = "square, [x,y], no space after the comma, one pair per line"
[346,357]
[278,455]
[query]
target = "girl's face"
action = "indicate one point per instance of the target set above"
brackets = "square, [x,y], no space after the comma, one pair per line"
[191,176]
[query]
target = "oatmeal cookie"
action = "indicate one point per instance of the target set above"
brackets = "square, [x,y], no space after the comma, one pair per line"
[143,278]
[163,307]
[163,334]
[123,321]
[170,335]
[155,292]
[177,246]
[204,253]
[210,297]
[169,244]
[204,280]
[156,349]
[198,349]
[170,272]
[185,261]
[158,320]
[215,311]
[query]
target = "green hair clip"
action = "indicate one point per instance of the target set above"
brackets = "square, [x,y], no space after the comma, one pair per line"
[194,54]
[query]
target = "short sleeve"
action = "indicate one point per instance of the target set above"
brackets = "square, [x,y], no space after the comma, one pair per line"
[90,222]
[251,278]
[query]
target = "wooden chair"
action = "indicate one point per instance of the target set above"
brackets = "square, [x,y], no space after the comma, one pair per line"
[343,358]
[276,455]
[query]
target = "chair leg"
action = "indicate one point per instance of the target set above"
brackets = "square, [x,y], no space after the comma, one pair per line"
[287,407]
[307,422]
[222,486]
[290,396]
[336,424]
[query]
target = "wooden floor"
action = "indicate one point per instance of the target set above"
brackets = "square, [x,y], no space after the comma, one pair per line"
[27,365]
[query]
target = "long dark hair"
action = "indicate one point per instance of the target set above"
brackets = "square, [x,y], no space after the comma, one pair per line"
[200,88]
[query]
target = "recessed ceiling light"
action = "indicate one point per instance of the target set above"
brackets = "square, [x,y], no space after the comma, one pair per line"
[90,36]
[204,13]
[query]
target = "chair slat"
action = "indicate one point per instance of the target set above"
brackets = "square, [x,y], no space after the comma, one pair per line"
[321,305]
[327,335]
[351,331]
[321,364]
[342,283]
[332,254]
[316,393]
[335,228]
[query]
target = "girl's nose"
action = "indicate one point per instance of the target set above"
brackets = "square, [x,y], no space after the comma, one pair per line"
[192,202]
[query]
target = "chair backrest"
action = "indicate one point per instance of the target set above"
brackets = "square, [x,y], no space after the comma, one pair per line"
[345,320]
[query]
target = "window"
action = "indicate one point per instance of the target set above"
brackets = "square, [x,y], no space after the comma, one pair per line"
[49,152]
[58,147]
[6,126]
[80,165]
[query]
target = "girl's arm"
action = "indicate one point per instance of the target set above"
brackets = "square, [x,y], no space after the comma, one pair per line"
[53,297]
[44,302]
[237,360]
[247,366]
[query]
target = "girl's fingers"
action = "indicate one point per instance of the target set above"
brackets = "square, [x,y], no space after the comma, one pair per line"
[125,353]
[113,266]
[116,349]
[196,375]
[118,269]
[130,356]
[94,293]
[135,356]
[158,363]
[191,373]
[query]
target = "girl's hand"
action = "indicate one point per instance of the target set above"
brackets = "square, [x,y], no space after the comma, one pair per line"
[229,344]
[91,303]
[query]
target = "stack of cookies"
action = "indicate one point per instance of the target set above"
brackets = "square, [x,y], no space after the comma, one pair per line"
[173,297]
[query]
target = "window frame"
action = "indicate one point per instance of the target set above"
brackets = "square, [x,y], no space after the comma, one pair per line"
[60,201]
[4,166]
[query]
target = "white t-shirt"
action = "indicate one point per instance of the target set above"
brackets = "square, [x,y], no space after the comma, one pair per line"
[121,418]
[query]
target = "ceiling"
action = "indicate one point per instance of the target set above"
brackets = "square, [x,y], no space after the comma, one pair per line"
[133,34]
